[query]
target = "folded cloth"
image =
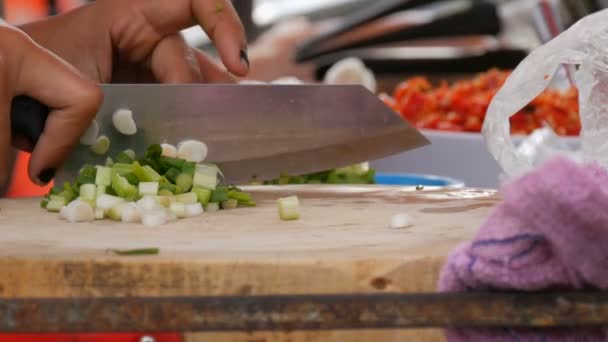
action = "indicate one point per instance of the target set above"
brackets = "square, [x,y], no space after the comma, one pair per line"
[550,232]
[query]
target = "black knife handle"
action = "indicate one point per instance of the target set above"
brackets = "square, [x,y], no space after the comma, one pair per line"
[28,117]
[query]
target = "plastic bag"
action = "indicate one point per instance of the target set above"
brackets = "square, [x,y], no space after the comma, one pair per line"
[584,44]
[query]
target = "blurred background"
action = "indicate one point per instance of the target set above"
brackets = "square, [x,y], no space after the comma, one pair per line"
[437,63]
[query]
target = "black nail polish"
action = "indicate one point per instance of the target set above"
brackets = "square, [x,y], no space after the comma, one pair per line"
[245,57]
[47,175]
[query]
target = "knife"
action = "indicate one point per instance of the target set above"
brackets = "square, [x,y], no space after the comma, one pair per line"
[253,132]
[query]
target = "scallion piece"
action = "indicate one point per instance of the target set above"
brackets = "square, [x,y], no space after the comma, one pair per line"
[239,196]
[145,173]
[230,204]
[103,176]
[132,179]
[183,182]
[55,206]
[172,173]
[189,167]
[135,252]
[212,207]
[178,209]
[204,195]
[165,192]
[187,198]
[220,194]
[123,188]
[289,208]
[88,193]
[168,187]
[205,177]
[148,188]
[101,190]
[101,146]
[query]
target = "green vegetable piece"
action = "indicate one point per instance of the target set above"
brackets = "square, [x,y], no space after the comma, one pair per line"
[136,252]
[88,191]
[55,206]
[172,174]
[109,161]
[101,146]
[124,158]
[289,208]
[212,206]
[239,196]
[167,186]
[103,176]
[189,167]
[204,195]
[220,194]
[145,173]
[230,204]
[170,162]
[131,154]
[44,203]
[122,187]
[187,198]
[183,183]
[154,151]
[132,179]
[247,204]
[165,192]
[206,177]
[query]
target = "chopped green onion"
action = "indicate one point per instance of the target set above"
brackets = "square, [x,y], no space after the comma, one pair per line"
[220,194]
[44,203]
[106,201]
[130,153]
[135,252]
[122,168]
[289,208]
[164,201]
[145,173]
[148,188]
[187,198]
[122,187]
[204,195]
[87,192]
[115,213]
[205,177]
[230,204]
[239,196]
[165,192]
[179,209]
[132,179]
[189,167]
[248,204]
[171,174]
[60,198]
[109,161]
[154,151]
[101,190]
[167,186]
[100,214]
[170,162]
[124,158]
[55,206]
[103,176]
[212,206]
[183,182]
[101,146]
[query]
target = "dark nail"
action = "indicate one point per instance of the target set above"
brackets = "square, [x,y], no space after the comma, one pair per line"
[47,175]
[245,57]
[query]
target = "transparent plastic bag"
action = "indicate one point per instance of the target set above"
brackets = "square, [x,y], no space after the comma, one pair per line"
[585,44]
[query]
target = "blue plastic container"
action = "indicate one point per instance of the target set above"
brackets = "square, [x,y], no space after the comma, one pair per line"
[406,179]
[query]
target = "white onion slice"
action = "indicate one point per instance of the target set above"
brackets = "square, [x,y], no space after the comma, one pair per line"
[192,150]
[123,122]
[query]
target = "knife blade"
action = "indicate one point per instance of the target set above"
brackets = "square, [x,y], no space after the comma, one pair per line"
[253,131]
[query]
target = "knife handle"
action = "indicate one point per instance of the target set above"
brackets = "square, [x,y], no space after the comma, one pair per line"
[28,117]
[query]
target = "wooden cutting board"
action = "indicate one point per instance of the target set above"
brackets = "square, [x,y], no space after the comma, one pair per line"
[341,244]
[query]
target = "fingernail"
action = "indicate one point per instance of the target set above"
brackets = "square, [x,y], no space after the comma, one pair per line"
[46,175]
[245,57]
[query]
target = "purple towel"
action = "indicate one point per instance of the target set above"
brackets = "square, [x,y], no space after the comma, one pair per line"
[550,232]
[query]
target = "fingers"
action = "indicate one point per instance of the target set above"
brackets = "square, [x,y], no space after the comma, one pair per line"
[218,19]
[173,61]
[74,100]
[211,71]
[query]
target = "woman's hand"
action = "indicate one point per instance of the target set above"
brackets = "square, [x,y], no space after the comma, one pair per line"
[138,40]
[28,69]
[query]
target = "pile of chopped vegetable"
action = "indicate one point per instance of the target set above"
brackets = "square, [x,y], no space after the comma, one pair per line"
[159,187]
[356,174]
[462,106]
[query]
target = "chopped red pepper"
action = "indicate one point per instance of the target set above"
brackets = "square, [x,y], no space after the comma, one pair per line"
[462,106]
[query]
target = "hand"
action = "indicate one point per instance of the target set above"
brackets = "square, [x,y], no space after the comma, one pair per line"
[138,40]
[75,101]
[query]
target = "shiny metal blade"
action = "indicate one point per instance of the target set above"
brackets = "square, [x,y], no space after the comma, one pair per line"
[242,123]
